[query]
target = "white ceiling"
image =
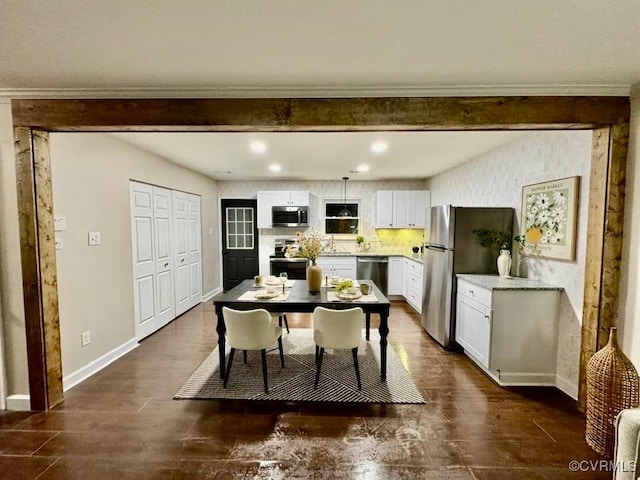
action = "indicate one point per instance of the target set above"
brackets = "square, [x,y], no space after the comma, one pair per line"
[320,46]
[319,156]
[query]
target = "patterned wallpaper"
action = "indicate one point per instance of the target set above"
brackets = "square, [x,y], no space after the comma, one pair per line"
[399,241]
[496,179]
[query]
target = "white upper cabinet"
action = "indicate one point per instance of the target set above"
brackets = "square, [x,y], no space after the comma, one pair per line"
[401,208]
[289,198]
[264,209]
[384,209]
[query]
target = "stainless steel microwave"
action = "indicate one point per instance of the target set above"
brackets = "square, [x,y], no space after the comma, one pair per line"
[290,216]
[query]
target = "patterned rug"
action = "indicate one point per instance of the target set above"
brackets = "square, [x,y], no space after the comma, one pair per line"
[295,381]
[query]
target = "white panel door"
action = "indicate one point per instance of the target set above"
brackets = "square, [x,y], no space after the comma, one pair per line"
[144,267]
[194,256]
[163,219]
[181,253]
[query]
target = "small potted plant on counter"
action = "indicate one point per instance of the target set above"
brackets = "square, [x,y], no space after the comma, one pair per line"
[359,242]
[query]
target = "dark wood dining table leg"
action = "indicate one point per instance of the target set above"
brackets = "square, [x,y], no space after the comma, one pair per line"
[384,330]
[367,317]
[221,329]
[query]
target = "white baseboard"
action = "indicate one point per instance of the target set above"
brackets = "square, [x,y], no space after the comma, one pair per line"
[567,387]
[92,368]
[18,402]
[208,296]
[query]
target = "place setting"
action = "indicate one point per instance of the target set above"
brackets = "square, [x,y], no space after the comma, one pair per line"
[349,290]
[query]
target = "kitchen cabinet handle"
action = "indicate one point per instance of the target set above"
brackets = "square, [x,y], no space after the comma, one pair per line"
[181,261]
[487,317]
[470,292]
[166,264]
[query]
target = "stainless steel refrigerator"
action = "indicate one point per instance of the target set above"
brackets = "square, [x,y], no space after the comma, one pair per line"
[453,248]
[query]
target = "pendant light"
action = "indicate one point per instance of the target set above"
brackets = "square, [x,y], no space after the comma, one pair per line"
[345,212]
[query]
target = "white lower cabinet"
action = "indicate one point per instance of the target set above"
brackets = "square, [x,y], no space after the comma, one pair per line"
[511,334]
[414,278]
[344,267]
[395,278]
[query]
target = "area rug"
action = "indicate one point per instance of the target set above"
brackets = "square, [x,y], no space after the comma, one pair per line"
[295,381]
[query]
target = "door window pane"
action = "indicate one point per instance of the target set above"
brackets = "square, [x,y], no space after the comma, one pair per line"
[240,228]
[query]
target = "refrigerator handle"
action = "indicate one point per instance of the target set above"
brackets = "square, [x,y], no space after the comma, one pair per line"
[435,248]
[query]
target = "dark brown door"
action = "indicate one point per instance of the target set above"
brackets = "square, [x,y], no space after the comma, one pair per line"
[239,242]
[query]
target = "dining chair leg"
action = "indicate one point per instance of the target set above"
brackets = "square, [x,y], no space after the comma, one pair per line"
[318,367]
[264,370]
[229,362]
[355,364]
[244,356]
[286,323]
[281,351]
[317,353]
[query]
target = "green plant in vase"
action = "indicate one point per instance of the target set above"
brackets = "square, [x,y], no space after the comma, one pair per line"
[501,240]
[359,242]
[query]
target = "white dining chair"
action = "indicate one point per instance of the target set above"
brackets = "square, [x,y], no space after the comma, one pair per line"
[337,329]
[251,330]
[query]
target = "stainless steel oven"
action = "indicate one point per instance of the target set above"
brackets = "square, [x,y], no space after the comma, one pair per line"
[290,216]
[295,267]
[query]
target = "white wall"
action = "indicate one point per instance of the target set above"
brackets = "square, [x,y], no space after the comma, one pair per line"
[365,191]
[629,311]
[91,173]
[496,179]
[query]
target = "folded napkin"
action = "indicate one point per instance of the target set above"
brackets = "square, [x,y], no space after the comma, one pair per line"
[333,297]
[250,296]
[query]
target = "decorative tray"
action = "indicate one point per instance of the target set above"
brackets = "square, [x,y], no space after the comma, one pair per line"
[264,295]
[348,296]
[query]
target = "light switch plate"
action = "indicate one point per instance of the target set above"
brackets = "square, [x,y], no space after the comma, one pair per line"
[60,223]
[94,238]
[85,338]
[59,243]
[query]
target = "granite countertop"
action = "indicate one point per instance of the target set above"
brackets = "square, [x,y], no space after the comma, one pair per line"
[415,257]
[494,282]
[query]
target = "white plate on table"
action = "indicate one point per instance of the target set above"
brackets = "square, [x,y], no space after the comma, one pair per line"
[264,295]
[348,296]
[277,281]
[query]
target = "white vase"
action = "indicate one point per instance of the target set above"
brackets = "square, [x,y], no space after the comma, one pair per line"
[504,263]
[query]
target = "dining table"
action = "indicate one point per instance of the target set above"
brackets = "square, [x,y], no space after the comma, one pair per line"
[298,298]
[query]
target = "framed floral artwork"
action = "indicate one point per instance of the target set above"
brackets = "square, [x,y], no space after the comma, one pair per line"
[548,223]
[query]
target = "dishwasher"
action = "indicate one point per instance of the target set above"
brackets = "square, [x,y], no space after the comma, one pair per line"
[374,269]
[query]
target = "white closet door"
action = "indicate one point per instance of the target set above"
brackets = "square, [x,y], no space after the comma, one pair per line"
[144,267]
[163,218]
[181,233]
[194,256]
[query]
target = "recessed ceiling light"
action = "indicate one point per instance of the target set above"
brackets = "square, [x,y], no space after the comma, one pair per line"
[258,146]
[379,147]
[275,167]
[363,167]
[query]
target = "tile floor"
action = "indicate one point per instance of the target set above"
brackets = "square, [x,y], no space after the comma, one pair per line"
[122,423]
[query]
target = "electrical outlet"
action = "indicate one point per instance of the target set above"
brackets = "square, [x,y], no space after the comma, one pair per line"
[60,223]
[59,243]
[85,338]
[94,238]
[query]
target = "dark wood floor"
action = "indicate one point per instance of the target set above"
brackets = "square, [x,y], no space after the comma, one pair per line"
[122,423]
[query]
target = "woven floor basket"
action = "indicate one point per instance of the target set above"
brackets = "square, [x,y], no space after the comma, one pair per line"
[612,385]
